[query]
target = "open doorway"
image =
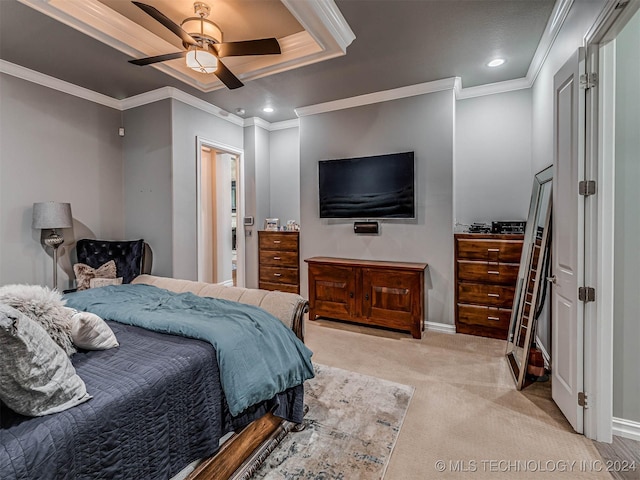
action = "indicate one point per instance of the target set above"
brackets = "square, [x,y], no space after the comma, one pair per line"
[220,254]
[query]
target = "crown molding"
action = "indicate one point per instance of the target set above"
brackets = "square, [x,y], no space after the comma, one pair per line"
[377,97]
[332,20]
[323,20]
[57,84]
[176,94]
[553,27]
[492,88]
[285,124]
[259,122]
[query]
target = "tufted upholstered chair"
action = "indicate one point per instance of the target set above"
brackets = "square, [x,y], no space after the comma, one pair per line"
[132,257]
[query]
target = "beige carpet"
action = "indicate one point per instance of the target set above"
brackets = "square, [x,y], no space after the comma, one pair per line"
[466,419]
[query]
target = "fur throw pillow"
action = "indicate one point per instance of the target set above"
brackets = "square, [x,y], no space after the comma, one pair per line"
[44,306]
[84,273]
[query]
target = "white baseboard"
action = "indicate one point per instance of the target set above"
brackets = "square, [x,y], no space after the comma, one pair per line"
[439,327]
[626,428]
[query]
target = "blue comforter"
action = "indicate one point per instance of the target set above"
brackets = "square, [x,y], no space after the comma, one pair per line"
[232,328]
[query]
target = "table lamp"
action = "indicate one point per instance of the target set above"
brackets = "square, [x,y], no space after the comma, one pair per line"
[52,215]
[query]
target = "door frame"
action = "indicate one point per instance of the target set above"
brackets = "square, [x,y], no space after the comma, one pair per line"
[599,221]
[240,244]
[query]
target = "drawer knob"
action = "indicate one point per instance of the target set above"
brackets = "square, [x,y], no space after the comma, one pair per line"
[276,258]
[495,295]
[493,272]
[276,241]
[493,249]
[496,319]
[277,274]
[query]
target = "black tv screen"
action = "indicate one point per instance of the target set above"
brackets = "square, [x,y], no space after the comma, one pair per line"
[380,186]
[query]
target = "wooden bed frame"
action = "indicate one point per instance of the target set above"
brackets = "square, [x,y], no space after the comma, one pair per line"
[243,453]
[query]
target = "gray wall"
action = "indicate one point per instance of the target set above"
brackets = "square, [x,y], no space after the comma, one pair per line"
[492,171]
[55,147]
[423,124]
[187,124]
[147,181]
[626,326]
[579,20]
[250,232]
[257,193]
[285,174]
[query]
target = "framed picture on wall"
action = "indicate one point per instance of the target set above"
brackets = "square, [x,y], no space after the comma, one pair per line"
[271,224]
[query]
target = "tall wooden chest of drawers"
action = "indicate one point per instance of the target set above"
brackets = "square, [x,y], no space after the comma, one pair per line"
[279,261]
[486,271]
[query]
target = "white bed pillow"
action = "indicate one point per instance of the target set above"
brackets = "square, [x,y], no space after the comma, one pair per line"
[91,332]
[37,377]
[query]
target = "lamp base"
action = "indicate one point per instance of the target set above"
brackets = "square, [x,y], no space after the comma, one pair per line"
[54,240]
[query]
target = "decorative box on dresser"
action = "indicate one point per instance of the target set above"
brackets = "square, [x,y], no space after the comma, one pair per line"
[279,261]
[486,272]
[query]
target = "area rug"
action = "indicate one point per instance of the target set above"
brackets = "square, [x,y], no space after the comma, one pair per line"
[351,428]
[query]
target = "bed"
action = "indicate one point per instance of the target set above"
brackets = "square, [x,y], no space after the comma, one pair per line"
[159,406]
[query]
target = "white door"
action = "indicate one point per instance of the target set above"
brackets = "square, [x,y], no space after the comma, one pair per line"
[567,343]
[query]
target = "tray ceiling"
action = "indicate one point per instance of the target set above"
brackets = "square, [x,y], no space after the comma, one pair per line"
[308,32]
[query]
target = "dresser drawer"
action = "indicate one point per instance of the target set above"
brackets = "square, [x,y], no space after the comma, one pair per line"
[506,251]
[485,294]
[279,275]
[492,317]
[277,258]
[278,241]
[487,272]
[281,287]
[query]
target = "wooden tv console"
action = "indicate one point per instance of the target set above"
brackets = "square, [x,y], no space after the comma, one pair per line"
[385,294]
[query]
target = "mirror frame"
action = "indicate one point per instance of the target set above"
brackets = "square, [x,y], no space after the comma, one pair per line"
[518,357]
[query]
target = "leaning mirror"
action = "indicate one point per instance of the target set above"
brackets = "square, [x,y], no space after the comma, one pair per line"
[527,299]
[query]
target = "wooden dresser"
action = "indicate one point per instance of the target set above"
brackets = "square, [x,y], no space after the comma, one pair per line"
[386,294]
[279,261]
[486,271]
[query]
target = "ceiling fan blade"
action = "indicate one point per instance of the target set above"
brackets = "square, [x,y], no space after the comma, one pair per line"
[167,22]
[227,77]
[264,46]
[158,58]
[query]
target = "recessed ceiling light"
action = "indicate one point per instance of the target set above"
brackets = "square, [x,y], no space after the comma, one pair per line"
[496,62]
[267,109]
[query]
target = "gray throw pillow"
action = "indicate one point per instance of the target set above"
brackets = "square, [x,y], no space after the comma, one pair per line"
[45,306]
[37,377]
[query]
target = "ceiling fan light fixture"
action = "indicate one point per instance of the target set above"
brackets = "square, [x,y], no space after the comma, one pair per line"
[203,28]
[201,60]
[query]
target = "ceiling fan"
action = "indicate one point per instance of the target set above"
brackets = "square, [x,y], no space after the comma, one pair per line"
[202,40]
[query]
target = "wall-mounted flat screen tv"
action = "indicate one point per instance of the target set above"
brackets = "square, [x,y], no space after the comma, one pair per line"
[381,186]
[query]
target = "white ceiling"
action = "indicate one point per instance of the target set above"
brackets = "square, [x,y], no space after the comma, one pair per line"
[397,43]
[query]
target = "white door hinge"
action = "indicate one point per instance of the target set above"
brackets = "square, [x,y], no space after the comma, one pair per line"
[588,80]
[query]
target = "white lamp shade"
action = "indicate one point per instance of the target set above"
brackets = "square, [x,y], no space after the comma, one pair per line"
[201,60]
[52,215]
